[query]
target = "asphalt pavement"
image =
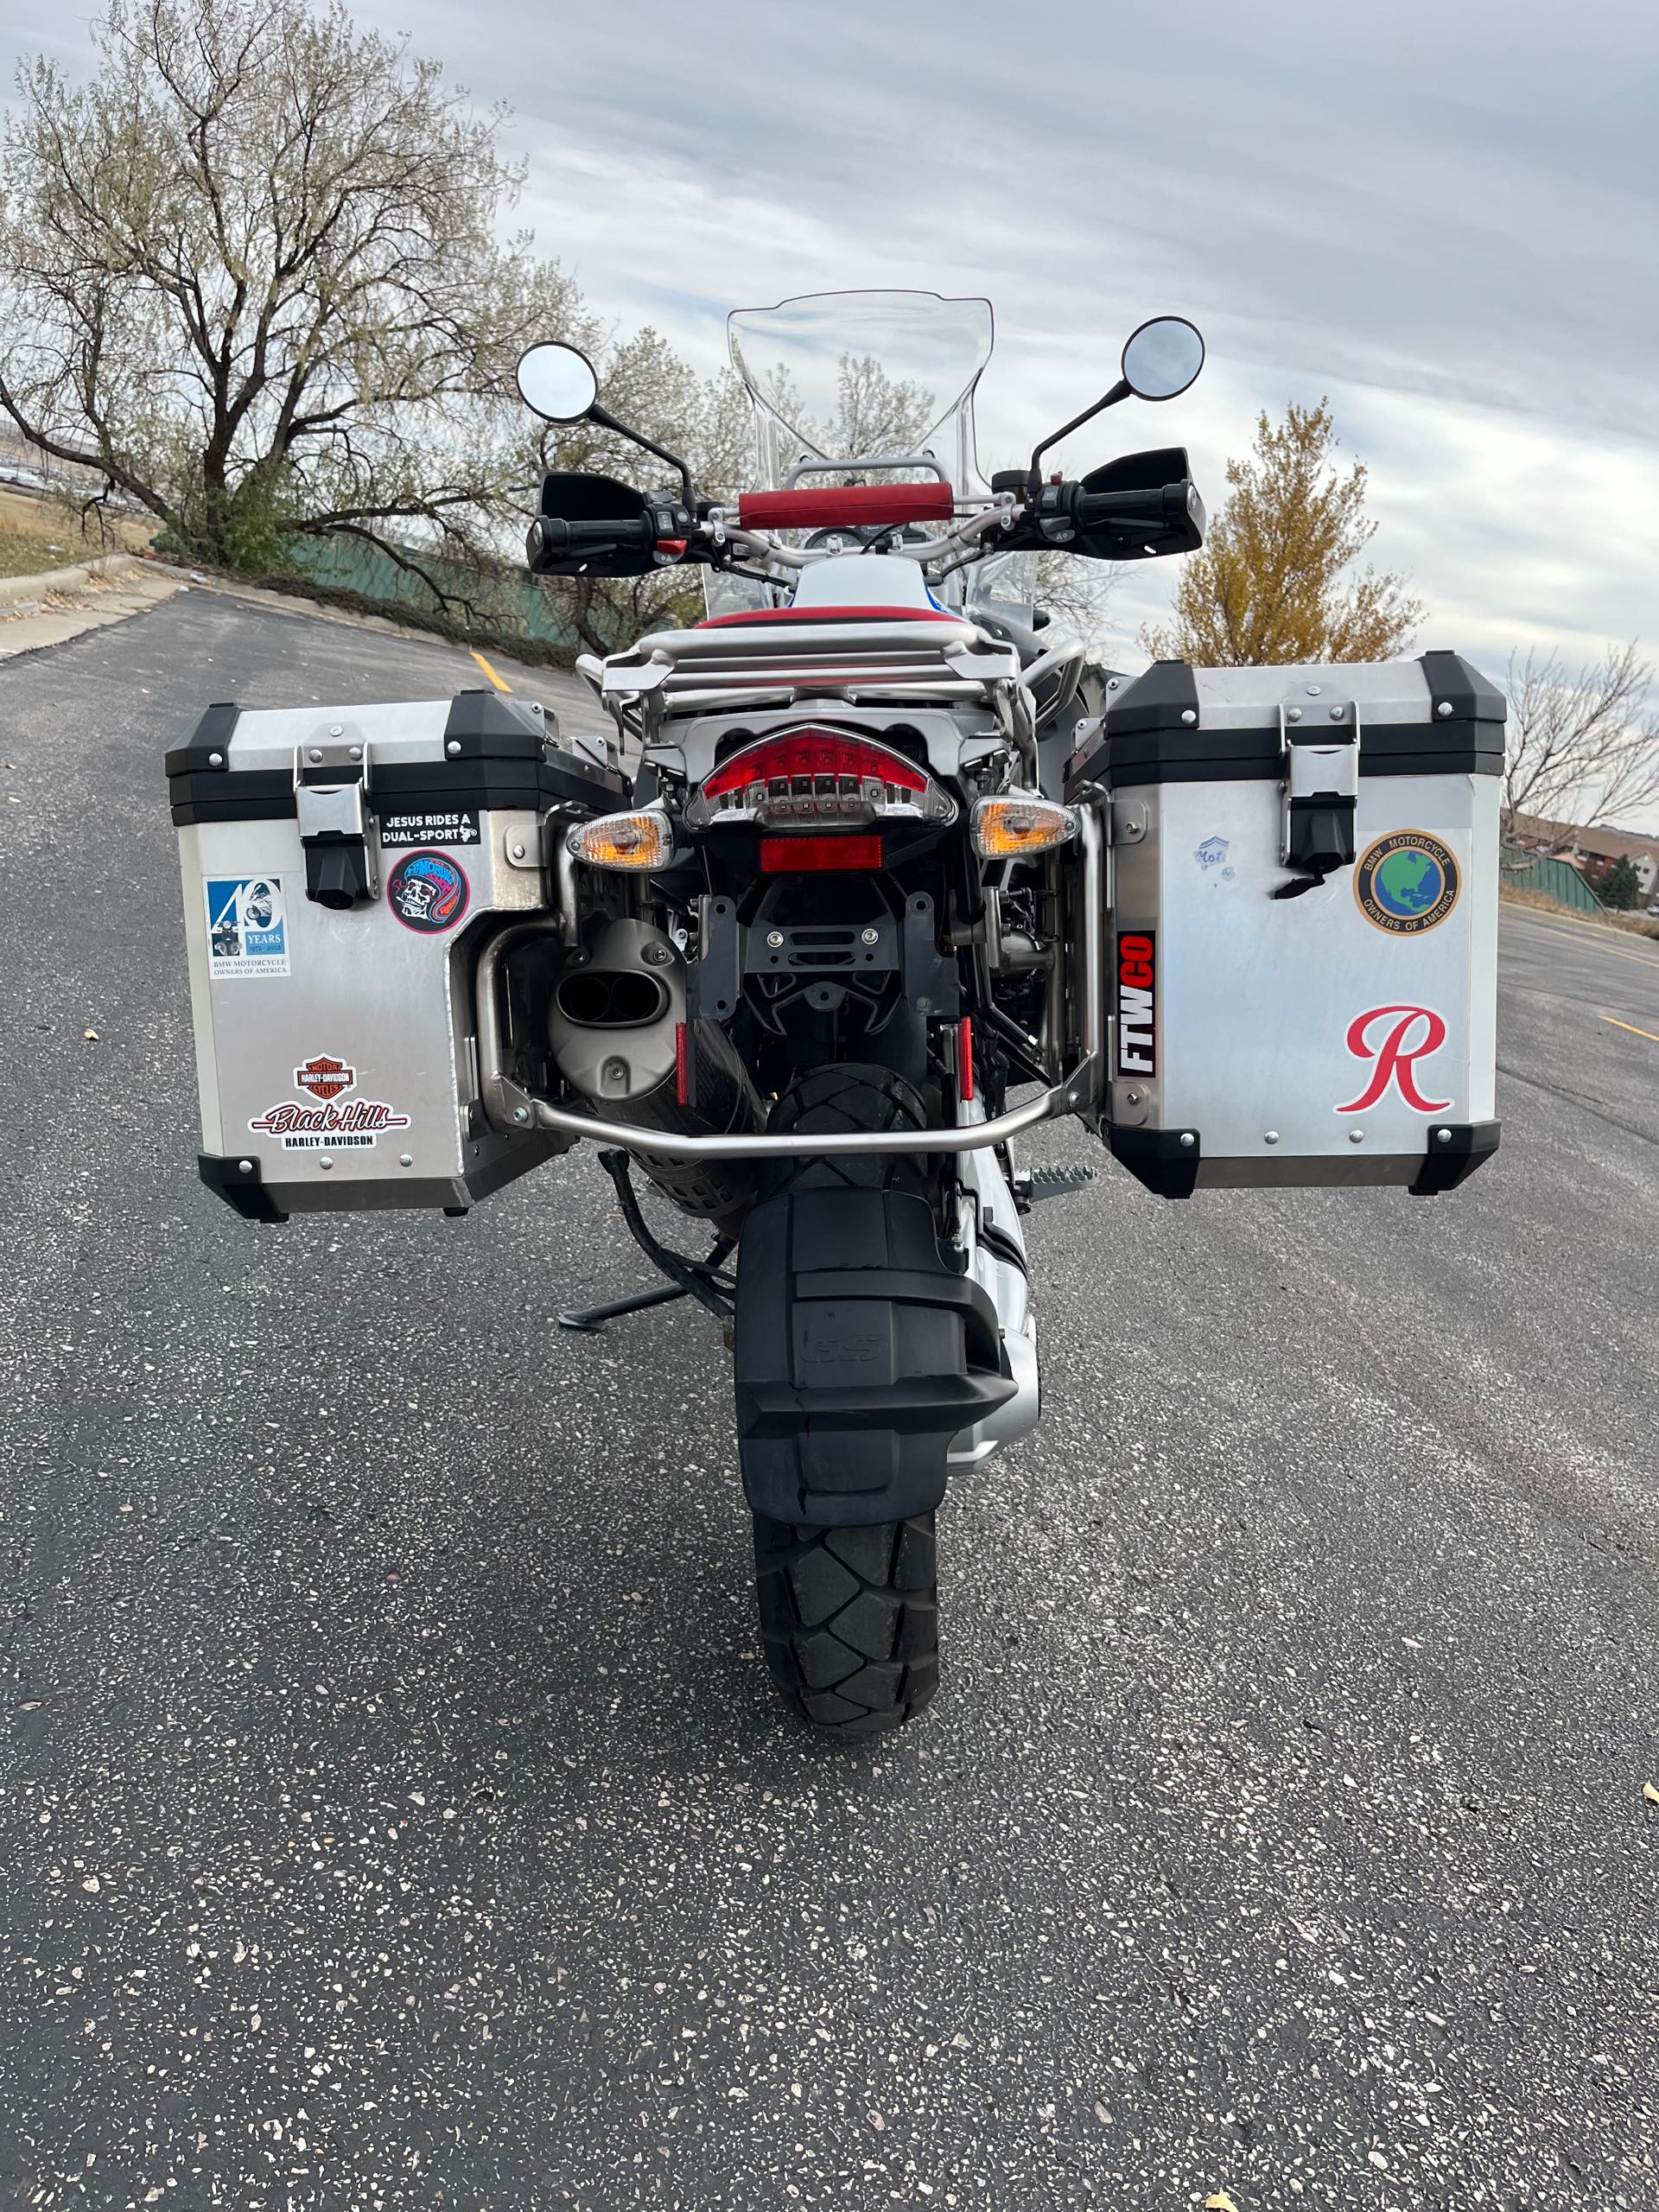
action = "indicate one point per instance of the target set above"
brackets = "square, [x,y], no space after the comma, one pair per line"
[394,1811]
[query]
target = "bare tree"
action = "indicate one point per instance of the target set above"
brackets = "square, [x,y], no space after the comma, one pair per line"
[252,270]
[1581,749]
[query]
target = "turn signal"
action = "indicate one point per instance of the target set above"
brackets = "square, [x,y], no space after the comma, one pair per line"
[1019,823]
[645,840]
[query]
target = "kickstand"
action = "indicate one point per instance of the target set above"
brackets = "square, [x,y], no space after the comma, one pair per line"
[697,1279]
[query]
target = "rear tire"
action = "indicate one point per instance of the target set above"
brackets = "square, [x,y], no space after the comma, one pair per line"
[850,1620]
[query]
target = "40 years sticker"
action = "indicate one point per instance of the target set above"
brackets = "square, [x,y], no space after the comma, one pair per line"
[1407,883]
[427,891]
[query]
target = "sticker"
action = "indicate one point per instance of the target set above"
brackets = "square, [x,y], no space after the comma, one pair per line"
[325,1079]
[1212,852]
[351,1128]
[247,925]
[430,825]
[427,891]
[1137,1004]
[1407,883]
[1393,1039]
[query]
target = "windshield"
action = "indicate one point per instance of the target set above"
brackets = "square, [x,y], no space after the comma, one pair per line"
[864,376]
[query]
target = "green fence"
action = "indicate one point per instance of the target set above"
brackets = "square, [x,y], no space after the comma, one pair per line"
[513,605]
[1525,871]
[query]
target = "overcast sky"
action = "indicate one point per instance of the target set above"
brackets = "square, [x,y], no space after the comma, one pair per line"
[1446,216]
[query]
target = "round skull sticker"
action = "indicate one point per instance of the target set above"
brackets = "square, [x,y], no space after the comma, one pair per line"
[427,892]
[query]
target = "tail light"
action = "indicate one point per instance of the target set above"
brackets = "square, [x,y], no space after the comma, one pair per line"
[816,776]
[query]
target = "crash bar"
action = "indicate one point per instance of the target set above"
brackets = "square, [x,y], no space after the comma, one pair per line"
[974,1136]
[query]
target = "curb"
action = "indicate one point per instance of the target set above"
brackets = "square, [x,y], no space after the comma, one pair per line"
[74,579]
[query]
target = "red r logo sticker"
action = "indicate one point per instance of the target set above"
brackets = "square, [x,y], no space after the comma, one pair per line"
[1391,1036]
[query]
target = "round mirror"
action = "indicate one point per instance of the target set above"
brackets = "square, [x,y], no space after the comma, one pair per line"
[1162,357]
[557,382]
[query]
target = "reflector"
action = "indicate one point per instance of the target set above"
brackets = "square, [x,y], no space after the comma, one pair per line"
[800,855]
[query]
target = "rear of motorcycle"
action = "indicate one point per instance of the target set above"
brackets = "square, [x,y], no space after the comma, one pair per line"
[850,924]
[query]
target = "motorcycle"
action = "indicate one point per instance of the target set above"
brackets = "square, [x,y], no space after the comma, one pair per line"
[871,877]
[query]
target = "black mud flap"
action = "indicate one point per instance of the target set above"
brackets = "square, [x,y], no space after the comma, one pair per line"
[859,1355]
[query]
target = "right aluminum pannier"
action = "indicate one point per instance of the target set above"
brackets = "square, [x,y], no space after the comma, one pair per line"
[1303,886]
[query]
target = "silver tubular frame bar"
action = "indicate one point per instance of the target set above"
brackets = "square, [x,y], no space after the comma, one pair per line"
[508,1108]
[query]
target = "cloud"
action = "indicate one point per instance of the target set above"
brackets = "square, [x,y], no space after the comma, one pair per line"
[1442,216]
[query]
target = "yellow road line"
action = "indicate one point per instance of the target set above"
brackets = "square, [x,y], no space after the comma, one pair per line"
[491,673]
[1631,1026]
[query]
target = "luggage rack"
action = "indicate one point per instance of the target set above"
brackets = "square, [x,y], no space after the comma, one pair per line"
[680,671]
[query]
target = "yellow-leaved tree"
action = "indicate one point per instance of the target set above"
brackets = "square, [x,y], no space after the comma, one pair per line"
[1275,581]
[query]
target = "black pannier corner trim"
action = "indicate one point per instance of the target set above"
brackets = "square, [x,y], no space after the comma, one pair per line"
[1453,1152]
[208,748]
[241,1184]
[1165,1161]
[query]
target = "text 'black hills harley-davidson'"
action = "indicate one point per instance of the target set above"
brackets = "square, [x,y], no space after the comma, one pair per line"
[865,881]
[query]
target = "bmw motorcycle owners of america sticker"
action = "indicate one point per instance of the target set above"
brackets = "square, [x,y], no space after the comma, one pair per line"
[247,925]
[1407,883]
[427,891]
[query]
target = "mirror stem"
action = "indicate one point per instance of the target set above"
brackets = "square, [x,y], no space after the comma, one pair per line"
[1119,390]
[607,420]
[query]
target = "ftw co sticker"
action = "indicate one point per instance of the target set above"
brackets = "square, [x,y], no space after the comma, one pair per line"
[427,891]
[1407,883]
[1137,1003]
[247,927]
[1393,1039]
[353,1126]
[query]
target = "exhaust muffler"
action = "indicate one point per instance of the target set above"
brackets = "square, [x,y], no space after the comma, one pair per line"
[615,1023]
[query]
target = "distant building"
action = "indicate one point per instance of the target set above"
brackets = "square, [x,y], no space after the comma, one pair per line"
[1593,852]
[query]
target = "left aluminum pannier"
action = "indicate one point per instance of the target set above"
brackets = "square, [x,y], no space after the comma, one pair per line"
[342,869]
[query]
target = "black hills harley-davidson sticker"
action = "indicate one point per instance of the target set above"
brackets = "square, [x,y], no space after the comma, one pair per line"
[1137,1003]
[427,891]
[329,1125]
[430,825]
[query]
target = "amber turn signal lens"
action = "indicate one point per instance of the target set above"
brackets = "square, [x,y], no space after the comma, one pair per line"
[645,840]
[1020,823]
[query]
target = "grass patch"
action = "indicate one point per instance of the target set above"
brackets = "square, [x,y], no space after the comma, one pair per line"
[1634,925]
[38,534]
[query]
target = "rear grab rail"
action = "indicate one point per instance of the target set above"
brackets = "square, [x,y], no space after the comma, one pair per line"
[518,1112]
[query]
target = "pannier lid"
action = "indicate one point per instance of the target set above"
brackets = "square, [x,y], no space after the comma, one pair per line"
[479,749]
[1432,717]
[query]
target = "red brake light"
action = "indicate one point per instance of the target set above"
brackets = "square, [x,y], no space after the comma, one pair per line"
[800,855]
[810,753]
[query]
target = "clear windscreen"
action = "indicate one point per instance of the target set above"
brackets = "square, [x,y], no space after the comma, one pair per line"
[864,376]
[869,377]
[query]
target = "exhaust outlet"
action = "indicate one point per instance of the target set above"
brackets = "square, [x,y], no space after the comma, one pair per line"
[613,1023]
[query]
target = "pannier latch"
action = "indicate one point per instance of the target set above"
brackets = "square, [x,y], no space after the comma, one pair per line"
[1320,789]
[331,783]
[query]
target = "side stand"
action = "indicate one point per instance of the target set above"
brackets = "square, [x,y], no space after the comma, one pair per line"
[698,1279]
